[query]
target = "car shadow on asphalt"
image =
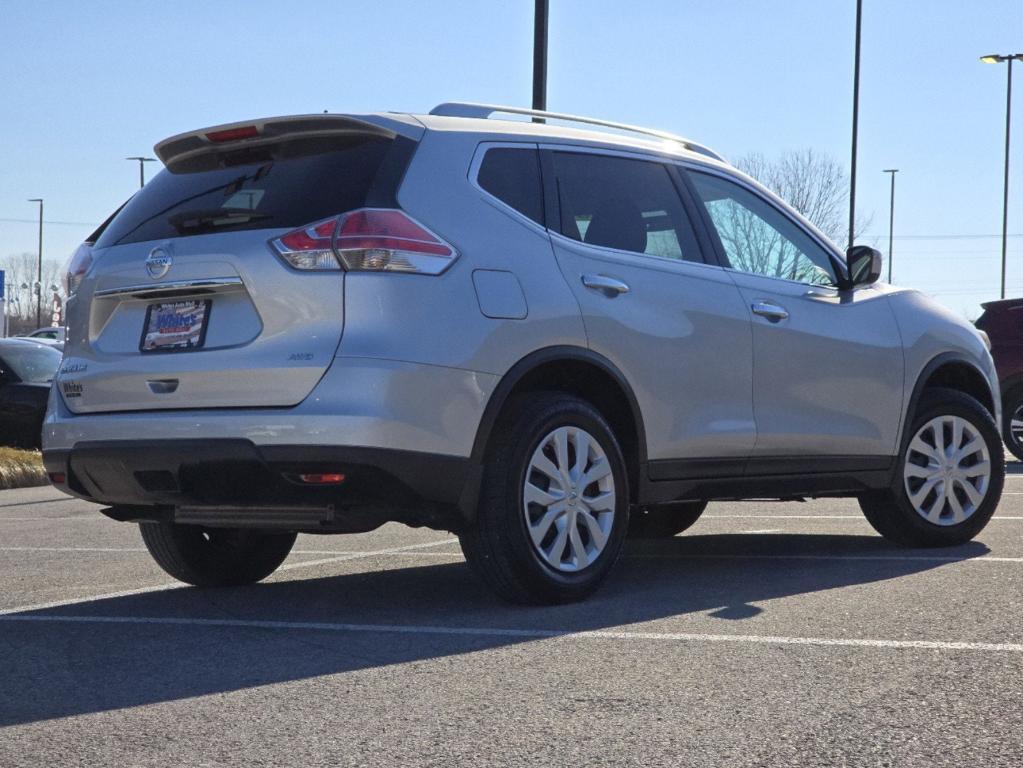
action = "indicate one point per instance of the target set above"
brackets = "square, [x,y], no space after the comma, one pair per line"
[55,669]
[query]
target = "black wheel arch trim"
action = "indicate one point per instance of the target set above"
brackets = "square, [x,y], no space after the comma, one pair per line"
[932,365]
[564,352]
[533,361]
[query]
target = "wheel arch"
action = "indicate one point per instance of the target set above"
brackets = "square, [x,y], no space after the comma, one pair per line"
[953,371]
[577,371]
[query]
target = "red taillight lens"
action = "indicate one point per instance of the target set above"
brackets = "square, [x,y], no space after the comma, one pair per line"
[382,239]
[309,248]
[368,239]
[80,262]
[233,134]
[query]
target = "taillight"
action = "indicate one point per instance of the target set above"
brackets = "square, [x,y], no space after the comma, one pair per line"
[368,239]
[310,247]
[80,262]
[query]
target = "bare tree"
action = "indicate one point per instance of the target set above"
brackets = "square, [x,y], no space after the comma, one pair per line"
[813,183]
[21,274]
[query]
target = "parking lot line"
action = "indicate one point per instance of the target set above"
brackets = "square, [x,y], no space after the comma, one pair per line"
[528,634]
[819,517]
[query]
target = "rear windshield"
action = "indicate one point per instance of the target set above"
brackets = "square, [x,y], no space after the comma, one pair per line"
[267,188]
[31,362]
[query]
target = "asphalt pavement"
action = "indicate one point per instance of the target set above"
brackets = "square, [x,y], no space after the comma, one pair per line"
[770,634]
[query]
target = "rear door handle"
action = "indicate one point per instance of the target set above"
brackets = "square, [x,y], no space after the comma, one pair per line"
[608,285]
[770,310]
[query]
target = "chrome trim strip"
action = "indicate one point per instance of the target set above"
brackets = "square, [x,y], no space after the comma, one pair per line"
[216,284]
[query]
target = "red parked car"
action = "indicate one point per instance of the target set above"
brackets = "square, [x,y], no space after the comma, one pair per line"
[1002,321]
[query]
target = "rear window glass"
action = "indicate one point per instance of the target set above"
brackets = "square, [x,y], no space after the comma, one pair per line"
[31,362]
[265,189]
[512,175]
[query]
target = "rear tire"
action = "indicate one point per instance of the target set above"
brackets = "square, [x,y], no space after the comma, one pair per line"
[215,557]
[665,520]
[554,503]
[915,510]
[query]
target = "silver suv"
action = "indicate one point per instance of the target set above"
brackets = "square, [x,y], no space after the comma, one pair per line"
[541,337]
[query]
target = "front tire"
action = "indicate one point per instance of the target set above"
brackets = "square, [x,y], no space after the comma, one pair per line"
[949,476]
[215,557]
[553,507]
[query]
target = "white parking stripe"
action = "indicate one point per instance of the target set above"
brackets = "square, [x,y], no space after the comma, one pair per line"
[175,584]
[411,551]
[525,634]
[819,517]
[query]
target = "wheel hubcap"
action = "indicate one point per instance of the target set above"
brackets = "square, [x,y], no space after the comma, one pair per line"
[947,470]
[568,499]
[1016,426]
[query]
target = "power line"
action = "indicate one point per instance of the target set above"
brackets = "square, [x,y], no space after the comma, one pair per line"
[59,223]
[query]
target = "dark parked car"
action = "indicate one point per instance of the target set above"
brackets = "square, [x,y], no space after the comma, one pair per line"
[1002,321]
[27,369]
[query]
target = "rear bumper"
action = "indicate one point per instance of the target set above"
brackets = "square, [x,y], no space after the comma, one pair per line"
[235,482]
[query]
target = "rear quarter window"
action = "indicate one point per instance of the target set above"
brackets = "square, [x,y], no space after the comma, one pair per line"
[281,186]
[512,175]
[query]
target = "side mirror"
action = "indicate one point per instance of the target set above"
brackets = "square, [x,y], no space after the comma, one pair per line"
[864,265]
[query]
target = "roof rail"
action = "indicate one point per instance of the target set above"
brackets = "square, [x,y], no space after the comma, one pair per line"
[483,111]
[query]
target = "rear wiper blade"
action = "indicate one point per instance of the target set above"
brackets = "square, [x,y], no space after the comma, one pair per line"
[211,218]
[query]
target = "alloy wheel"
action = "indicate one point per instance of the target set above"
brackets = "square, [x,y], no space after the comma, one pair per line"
[947,470]
[568,499]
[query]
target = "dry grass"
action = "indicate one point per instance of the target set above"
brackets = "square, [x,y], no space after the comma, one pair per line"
[21,469]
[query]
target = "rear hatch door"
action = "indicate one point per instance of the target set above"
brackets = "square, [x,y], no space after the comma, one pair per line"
[186,305]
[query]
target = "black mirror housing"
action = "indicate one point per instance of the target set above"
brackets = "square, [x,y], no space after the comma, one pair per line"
[864,265]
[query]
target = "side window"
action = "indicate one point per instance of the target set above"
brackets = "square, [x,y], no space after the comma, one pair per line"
[629,205]
[512,175]
[758,238]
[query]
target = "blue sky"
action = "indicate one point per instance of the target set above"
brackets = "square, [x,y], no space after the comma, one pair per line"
[83,85]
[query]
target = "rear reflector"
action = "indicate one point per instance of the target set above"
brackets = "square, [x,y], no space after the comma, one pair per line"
[58,477]
[233,134]
[328,478]
[368,239]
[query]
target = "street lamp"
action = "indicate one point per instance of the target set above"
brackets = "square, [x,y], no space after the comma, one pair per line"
[891,219]
[855,124]
[39,279]
[1008,59]
[142,173]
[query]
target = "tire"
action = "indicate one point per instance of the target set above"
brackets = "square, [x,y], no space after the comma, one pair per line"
[891,511]
[1011,403]
[498,544]
[215,557]
[665,520]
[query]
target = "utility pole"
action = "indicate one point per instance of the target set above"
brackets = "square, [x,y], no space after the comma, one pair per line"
[1007,59]
[540,16]
[142,173]
[39,277]
[855,125]
[891,219]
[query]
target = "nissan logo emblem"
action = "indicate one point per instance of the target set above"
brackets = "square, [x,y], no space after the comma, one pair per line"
[158,263]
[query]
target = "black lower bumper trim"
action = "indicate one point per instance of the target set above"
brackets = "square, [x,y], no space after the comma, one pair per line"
[379,484]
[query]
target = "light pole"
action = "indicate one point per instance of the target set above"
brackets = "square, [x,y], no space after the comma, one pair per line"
[891,219]
[39,279]
[142,173]
[1008,59]
[855,124]
[540,16]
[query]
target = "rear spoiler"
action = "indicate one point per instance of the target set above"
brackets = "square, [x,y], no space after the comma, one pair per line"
[251,134]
